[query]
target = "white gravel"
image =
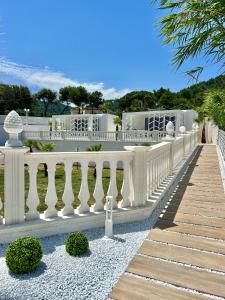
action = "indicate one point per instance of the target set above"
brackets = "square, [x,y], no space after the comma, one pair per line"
[61,276]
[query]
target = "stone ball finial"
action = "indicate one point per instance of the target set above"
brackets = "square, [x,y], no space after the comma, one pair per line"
[13,125]
[170,128]
[182,129]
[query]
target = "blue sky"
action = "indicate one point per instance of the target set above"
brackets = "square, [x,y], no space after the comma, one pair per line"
[110,45]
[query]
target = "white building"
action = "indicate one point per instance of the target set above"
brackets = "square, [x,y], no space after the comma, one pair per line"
[157,120]
[83,122]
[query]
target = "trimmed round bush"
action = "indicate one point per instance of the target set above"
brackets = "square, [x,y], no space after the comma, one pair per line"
[24,255]
[77,244]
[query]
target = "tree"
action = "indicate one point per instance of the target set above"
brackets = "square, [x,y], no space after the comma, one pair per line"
[137,101]
[105,107]
[79,95]
[47,97]
[165,98]
[65,97]
[82,107]
[117,121]
[195,28]
[74,94]
[14,97]
[95,100]
[215,106]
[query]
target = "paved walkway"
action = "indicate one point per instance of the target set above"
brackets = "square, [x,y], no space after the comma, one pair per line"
[183,257]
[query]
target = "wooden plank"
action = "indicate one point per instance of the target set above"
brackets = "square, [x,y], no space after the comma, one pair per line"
[186,256]
[192,219]
[187,277]
[198,204]
[130,288]
[193,211]
[197,230]
[196,242]
[206,194]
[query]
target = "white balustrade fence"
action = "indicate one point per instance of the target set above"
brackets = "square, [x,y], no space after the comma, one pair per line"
[145,169]
[221,142]
[123,136]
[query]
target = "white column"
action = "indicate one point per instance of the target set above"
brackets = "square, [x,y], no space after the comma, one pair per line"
[68,195]
[171,159]
[84,194]
[127,187]
[51,195]
[90,123]
[98,192]
[139,174]
[32,199]
[14,184]
[112,190]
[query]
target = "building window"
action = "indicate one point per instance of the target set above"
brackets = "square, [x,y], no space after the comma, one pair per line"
[159,122]
[95,125]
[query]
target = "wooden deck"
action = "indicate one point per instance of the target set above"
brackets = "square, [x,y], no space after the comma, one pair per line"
[183,257]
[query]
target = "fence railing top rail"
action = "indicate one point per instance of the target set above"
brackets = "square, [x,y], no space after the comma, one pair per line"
[62,156]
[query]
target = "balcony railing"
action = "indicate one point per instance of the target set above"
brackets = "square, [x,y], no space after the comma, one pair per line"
[145,169]
[120,136]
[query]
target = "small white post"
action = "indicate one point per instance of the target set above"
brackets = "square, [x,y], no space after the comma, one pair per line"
[109,218]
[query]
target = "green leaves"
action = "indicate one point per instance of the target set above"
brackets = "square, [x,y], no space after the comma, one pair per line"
[77,244]
[215,106]
[24,255]
[195,28]
[95,148]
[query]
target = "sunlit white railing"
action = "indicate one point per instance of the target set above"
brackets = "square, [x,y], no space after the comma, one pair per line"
[145,169]
[123,136]
[221,142]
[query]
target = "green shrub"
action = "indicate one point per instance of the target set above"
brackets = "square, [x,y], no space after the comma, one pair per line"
[77,244]
[24,255]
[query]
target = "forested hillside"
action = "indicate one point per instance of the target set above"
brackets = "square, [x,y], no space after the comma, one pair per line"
[47,102]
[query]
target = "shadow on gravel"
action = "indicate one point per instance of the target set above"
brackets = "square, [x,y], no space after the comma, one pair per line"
[40,270]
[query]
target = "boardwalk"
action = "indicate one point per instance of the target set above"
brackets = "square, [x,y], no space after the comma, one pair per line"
[183,257]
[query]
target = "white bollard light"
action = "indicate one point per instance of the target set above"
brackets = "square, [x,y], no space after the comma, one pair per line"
[109,219]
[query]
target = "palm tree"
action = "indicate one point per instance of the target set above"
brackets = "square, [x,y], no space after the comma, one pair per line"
[82,107]
[94,148]
[118,122]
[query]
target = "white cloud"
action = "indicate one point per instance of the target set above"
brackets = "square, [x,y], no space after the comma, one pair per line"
[45,78]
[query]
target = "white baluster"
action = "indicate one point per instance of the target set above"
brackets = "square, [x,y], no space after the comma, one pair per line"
[84,194]
[32,198]
[150,178]
[68,195]
[1,206]
[112,191]
[127,187]
[51,196]
[98,192]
